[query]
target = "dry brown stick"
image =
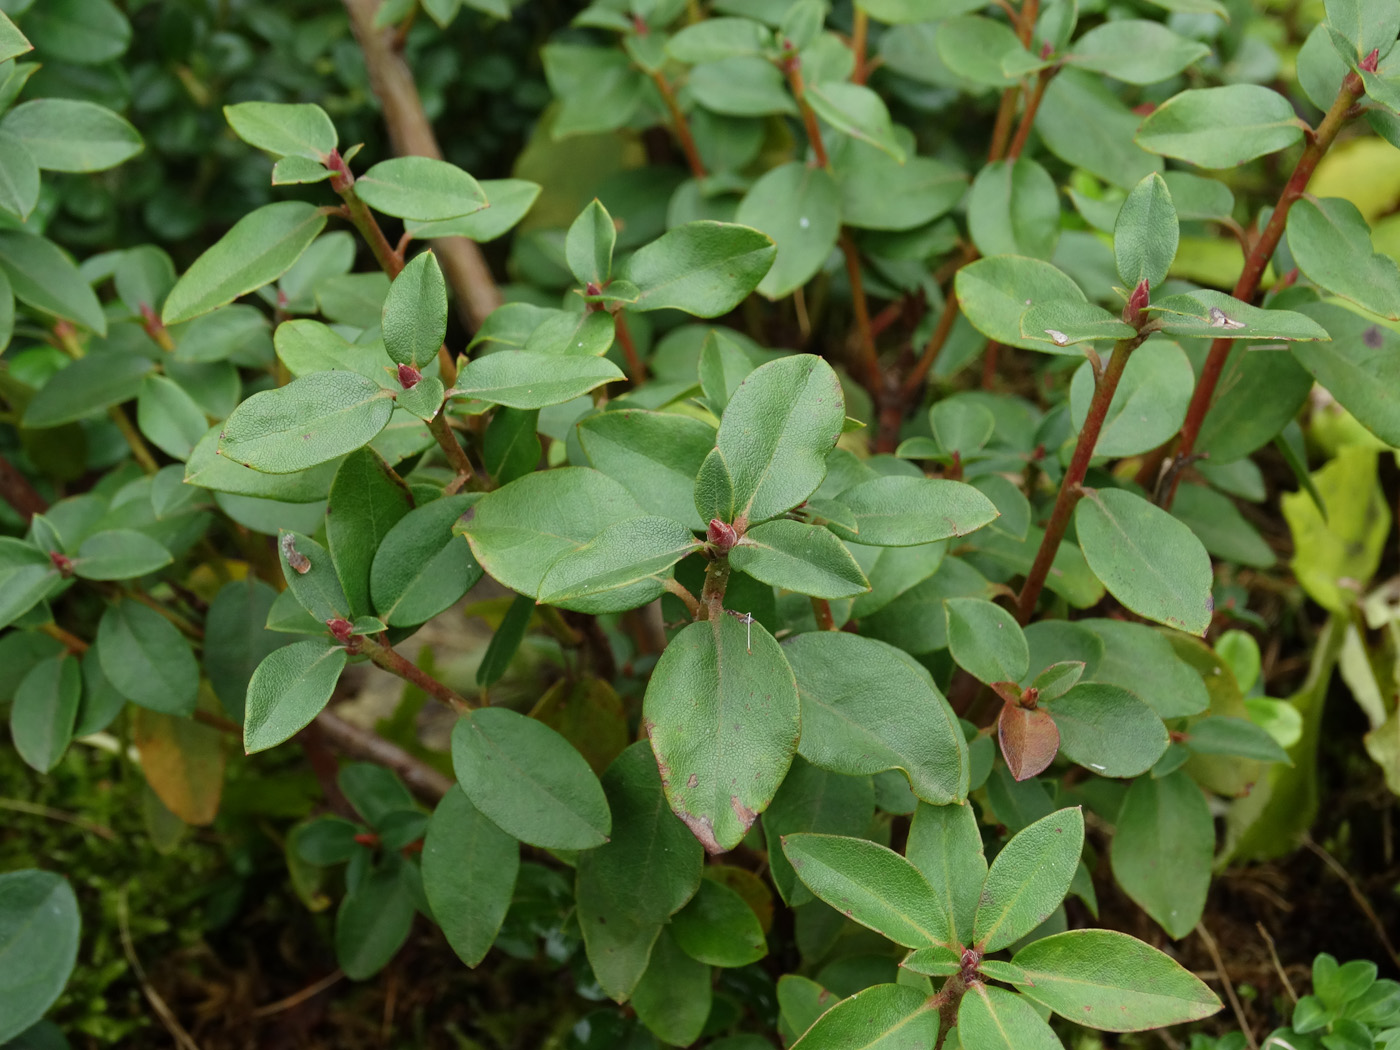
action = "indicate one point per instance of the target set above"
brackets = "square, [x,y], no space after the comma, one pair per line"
[1214,950]
[1356,894]
[422,779]
[177,1031]
[297,998]
[411,134]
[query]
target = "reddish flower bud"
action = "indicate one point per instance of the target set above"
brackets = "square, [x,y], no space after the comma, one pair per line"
[1141,296]
[62,563]
[591,288]
[721,536]
[340,629]
[1371,62]
[409,376]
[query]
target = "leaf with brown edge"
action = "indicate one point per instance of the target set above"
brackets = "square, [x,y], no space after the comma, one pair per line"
[183,761]
[1029,739]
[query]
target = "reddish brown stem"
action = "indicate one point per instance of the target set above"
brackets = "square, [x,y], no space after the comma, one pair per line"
[1070,491]
[1023,130]
[390,261]
[989,364]
[16,490]
[931,350]
[792,66]
[346,737]
[386,657]
[1258,260]
[821,609]
[860,34]
[1001,129]
[447,441]
[862,311]
[635,365]
[679,124]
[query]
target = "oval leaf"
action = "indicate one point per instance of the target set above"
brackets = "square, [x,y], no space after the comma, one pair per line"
[995,1019]
[799,557]
[290,688]
[469,869]
[420,188]
[39,924]
[1028,879]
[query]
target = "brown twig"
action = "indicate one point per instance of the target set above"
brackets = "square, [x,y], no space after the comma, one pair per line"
[297,998]
[861,308]
[1365,905]
[451,447]
[941,331]
[1258,260]
[679,124]
[385,656]
[422,779]
[1070,491]
[860,33]
[412,135]
[1278,966]
[182,1038]
[635,365]
[1023,130]
[1001,128]
[821,609]
[1214,951]
[792,66]
[34,810]
[16,490]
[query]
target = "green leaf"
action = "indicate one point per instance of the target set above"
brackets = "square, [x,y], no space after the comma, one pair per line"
[993,294]
[237,617]
[870,884]
[1221,127]
[1086,125]
[1146,232]
[1331,243]
[630,886]
[374,792]
[518,531]
[1234,736]
[1365,25]
[45,710]
[1359,367]
[866,708]
[39,924]
[367,499]
[1107,980]
[776,432]
[589,245]
[879,1017]
[674,996]
[27,576]
[1108,730]
[1220,527]
[19,182]
[372,923]
[946,846]
[1134,51]
[986,641]
[879,193]
[656,455]
[169,417]
[621,557]
[146,659]
[87,386]
[741,86]
[469,871]
[260,248]
[900,511]
[1014,209]
[704,268]
[84,32]
[991,1018]
[12,41]
[420,188]
[207,469]
[529,780]
[597,88]
[718,928]
[42,277]
[937,961]
[311,577]
[856,111]
[799,557]
[119,554]
[1149,405]
[284,129]
[813,799]
[288,690]
[1028,879]
[717,38]
[528,379]
[511,446]
[415,312]
[799,207]
[1148,560]
[723,751]
[64,134]
[505,643]
[1333,554]
[311,420]
[420,568]
[1163,848]
[510,200]
[902,12]
[973,48]
[1052,326]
